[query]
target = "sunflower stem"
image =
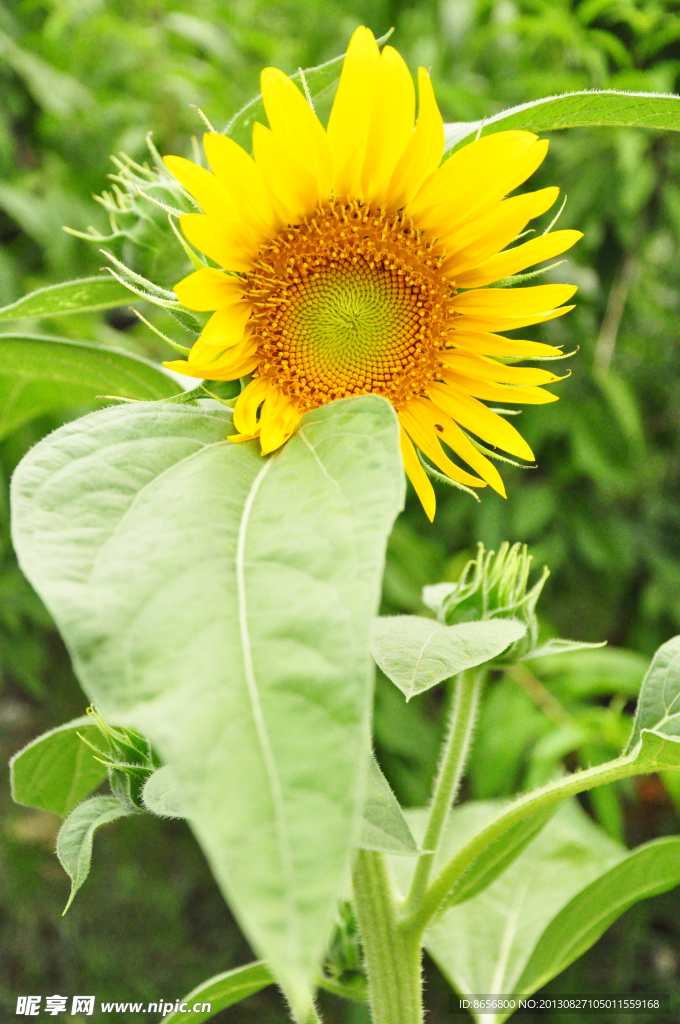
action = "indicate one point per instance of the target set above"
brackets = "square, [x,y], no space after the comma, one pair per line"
[463,715]
[392,958]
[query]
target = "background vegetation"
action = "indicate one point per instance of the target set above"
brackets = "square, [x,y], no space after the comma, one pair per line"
[80,79]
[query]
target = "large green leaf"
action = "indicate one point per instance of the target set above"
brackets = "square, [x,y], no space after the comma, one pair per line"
[221,604]
[57,770]
[417,653]
[575,110]
[383,827]
[83,296]
[485,944]
[221,991]
[74,842]
[39,375]
[651,869]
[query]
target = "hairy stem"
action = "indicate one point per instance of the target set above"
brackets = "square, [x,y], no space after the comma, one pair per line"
[454,756]
[392,958]
[449,875]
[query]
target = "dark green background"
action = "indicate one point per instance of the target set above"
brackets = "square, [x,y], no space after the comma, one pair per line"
[80,79]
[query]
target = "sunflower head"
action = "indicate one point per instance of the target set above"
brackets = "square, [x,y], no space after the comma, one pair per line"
[350,260]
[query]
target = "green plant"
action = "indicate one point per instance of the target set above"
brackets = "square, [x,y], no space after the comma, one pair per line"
[126,676]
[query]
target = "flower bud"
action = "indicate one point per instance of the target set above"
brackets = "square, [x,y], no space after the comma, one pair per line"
[130,760]
[492,586]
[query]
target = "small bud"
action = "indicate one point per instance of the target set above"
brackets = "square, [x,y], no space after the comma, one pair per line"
[130,759]
[492,586]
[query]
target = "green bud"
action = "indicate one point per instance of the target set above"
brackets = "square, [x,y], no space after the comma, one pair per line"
[492,586]
[344,960]
[129,758]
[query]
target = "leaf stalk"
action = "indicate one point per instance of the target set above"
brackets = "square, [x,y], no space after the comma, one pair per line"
[530,803]
[463,715]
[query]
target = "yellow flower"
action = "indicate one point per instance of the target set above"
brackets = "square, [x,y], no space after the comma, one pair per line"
[356,264]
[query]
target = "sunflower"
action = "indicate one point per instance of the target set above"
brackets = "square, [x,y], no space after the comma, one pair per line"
[354,263]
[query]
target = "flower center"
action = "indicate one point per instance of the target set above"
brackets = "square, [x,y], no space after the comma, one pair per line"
[346,303]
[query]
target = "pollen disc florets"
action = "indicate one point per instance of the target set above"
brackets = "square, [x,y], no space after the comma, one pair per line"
[349,301]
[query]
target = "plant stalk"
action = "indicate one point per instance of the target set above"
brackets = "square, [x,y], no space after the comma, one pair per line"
[455,752]
[526,805]
[392,958]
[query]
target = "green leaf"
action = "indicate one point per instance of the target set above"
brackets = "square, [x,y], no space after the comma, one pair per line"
[321,81]
[221,604]
[592,673]
[649,870]
[417,653]
[160,794]
[484,944]
[384,827]
[499,855]
[39,375]
[221,991]
[557,646]
[656,752]
[57,770]
[83,296]
[74,842]
[659,702]
[575,110]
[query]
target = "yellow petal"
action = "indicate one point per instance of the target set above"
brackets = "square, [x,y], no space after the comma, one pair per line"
[454,437]
[293,121]
[209,289]
[420,430]
[467,323]
[248,403]
[503,264]
[488,369]
[476,177]
[350,117]
[248,362]
[242,359]
[213,198]
[182,366]
[225,364]
[225,327]
[493,230]
[424,150]
[512,301]
[417,475]
[278,419]
[238,172]
[499,392]
[292,187]
[495,345]
[480,420]
[237,438]
[391,126]
[206,189]
[210,236]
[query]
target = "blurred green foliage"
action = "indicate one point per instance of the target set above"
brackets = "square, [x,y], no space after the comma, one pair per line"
[80,79]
